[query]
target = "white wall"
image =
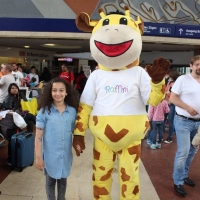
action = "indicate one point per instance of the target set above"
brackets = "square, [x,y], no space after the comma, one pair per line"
[178,58]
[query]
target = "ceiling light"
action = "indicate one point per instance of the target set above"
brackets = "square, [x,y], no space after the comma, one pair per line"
[51,45]
[61,46]
[27,47]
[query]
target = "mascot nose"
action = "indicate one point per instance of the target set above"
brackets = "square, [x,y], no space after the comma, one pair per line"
[111,29]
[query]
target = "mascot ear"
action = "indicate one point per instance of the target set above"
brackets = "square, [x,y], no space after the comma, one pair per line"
[139,21]
[83,22]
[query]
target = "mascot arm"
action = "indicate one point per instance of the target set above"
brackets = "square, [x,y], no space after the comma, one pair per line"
[84,111]
[82,120]
[157,73]
[157,93]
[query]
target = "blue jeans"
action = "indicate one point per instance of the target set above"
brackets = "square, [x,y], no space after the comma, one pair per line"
[50,187]
[171,120]
[185,131]
[157,128]
[149,135]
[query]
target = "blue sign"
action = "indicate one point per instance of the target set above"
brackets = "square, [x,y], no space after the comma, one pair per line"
[171,30]
[187,31]
[68,25]
[159,29]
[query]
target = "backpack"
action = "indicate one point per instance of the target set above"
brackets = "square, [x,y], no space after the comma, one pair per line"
[83,82]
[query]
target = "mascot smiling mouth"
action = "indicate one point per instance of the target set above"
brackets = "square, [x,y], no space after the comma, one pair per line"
[113,50]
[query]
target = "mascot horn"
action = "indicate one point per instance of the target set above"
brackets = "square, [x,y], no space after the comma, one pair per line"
[112,104]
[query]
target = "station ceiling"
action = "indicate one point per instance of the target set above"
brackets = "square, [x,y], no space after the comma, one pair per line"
[60,46]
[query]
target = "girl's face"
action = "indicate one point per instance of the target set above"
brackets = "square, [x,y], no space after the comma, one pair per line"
[14,90]
[58,92]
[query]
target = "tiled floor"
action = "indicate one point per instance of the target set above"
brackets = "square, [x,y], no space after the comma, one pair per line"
[156,167]
[159,166]
[30,184]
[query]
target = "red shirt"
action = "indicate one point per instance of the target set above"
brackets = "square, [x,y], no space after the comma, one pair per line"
[78,81]
[68,76]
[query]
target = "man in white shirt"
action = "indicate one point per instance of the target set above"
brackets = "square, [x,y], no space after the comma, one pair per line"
[185,96]
[17,75]
[5,81]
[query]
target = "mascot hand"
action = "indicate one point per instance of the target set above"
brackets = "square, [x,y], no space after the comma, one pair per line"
[78,144]
[159,69]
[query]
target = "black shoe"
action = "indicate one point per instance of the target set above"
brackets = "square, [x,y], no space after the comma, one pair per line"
[180,190]
[189,182]
[168,140]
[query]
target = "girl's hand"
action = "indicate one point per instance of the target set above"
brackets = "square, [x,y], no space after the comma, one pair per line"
[39,163]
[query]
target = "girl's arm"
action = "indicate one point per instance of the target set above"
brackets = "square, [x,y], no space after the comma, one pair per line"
[38,148]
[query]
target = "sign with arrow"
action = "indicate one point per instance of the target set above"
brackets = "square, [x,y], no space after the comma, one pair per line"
[187,31]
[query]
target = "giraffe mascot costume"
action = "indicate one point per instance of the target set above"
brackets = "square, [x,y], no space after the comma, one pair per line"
[113,102]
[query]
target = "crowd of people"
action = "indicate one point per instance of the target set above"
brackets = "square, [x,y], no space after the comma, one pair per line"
[58,105]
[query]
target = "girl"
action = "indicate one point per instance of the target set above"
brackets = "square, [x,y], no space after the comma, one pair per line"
[156,117]
[53,142]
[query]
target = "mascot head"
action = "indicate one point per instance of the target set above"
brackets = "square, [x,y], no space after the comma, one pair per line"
[116,39]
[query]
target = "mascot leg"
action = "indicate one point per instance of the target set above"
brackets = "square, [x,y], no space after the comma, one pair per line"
[128,170]
[103,164]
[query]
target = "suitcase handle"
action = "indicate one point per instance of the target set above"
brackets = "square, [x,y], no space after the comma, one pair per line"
[28,135]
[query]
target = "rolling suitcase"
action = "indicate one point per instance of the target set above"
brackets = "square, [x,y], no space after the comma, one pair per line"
[22,150]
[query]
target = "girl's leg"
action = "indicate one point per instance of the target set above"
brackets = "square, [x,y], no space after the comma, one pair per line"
[30,120]
[171,120]
[160,131]
[61,188]
[50,187]
[154,135]
[30,117]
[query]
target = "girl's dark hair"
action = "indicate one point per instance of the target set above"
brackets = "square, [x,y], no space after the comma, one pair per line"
[46,99]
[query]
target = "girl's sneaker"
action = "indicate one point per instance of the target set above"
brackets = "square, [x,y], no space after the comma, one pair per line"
[148,142]
[158,145]
[153,146]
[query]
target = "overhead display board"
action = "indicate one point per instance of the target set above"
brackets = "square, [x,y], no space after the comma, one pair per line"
[171,30]
[180,18]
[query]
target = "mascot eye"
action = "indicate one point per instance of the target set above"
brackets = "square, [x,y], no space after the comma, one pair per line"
[105,22]
[123,21]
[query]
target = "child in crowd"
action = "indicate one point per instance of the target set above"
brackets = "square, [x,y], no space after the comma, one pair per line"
[53,141]
[156,116]
[196,139]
